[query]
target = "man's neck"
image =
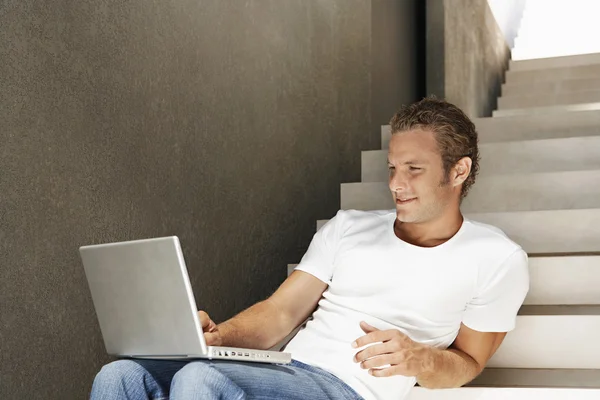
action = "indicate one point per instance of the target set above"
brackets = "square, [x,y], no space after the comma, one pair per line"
[430,233]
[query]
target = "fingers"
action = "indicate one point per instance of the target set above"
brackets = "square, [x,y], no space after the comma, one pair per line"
[367,328]
[212,339]
[205,320]
[379,361]
[385,372]
[373,351]
[211,333]
[373,337]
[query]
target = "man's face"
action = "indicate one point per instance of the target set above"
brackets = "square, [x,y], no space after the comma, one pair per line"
[417,180]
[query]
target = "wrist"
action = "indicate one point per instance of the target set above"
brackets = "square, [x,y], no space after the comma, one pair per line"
[224,329]
[428,360]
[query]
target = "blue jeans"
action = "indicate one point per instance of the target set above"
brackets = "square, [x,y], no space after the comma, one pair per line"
[212,380]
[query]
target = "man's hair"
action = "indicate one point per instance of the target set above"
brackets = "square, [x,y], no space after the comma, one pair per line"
[454,132]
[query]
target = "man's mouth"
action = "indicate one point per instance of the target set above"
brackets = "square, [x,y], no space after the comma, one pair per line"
[405,200]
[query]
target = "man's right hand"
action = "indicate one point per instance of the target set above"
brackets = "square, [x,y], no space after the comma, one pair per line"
[212,336]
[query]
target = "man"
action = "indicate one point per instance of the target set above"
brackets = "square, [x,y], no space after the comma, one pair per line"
[415,294]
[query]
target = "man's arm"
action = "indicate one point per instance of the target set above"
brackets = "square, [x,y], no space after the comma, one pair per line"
[434,368]
[266,323]
[463,361]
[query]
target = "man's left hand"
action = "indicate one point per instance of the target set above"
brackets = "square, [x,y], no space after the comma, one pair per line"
[397,351]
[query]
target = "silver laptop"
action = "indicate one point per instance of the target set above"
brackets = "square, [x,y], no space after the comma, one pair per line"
[145,305]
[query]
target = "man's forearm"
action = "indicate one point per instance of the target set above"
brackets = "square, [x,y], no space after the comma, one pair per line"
[448,369]
[258,327]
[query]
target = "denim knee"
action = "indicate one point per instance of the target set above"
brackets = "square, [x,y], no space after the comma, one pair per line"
[200,380]
[200,372]
[118,372]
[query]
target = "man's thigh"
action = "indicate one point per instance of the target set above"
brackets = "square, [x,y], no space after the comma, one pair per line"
[276,382]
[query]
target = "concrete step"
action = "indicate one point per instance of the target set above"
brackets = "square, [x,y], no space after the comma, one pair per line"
[366,196]
[541,378]
[527,192]
[554,62]
[523,157]
[553,74]
[549,232]
[545,155]
[547,110]
[386,135]
[551,337]
[491,393]
[546,99]
[569,280]
[551,87]
[545,232]
[535,192]
[538,126]
[520,384]
[528,127]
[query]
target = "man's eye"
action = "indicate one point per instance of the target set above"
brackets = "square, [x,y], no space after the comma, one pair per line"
[390,167]
[414,169]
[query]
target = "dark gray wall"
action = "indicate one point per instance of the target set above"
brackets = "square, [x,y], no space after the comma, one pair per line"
[398,54]
[229,123]
[467,54]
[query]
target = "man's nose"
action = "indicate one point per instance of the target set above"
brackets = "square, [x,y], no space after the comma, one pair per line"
[398,182]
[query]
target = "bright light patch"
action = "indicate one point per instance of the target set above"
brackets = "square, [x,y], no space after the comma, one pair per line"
[553,28]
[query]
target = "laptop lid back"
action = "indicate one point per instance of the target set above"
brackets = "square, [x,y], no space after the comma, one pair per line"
[143,298]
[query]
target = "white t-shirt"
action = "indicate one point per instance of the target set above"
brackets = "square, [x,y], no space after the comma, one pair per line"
[479,277]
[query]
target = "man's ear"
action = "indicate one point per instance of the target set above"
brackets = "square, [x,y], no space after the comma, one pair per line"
[461,171]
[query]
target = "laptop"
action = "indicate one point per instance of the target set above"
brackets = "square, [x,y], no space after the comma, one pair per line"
[145,305]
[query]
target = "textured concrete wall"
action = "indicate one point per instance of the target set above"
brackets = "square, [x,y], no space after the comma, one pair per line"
[228,123]
[398,53]
[469,51]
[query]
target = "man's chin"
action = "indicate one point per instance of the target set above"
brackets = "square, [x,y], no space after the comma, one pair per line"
[405,217]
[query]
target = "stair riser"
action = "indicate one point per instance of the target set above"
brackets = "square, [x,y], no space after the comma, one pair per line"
[544,100]
[547,110]
[549,232]
[554,155]
[551,87]
[539,378]
[528,127]
[564,280]
[504,394]
[552,74]
[532,192]
[570,337]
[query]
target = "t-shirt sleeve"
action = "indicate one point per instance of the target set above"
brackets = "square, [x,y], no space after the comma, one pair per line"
[499,296]
[319,259]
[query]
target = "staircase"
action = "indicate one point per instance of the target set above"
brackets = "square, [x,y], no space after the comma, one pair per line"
[539,183]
